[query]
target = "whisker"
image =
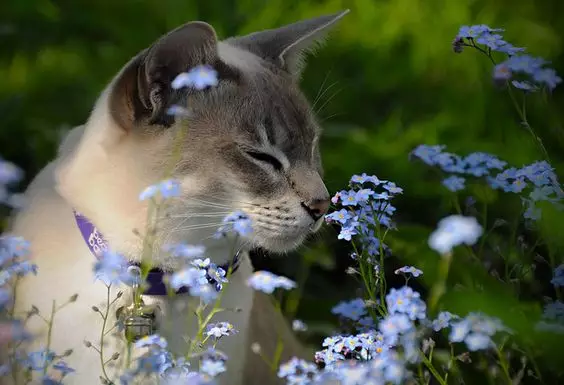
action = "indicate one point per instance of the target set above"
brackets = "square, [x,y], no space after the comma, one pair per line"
[221,198]
[320,97]
[324,92]
[327,101]
[193,215]
[319,94]
[187,201]
[200,226]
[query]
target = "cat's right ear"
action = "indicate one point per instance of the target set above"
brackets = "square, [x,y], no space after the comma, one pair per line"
[142,92]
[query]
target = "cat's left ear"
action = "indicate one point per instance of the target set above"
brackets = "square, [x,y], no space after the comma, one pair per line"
[286,46]
[142,92]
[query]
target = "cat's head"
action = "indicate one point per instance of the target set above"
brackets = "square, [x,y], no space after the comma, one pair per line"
[250,143]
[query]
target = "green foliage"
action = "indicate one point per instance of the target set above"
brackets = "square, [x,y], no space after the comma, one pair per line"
[387,81]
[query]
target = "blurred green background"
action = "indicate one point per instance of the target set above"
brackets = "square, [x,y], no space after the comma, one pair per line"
[387,80]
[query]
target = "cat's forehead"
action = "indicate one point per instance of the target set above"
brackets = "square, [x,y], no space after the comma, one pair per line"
[271,107]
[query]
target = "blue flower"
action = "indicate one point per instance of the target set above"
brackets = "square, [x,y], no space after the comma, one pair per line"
[165,189]
[443,320]
[558,279]
[220,329]
[111,268]
[392,188]
[364,178]
[154,361]
[183,250]
[409,270]
[13,247]
[393,325]
[453,231]
[363,195]
[531,67]
[207,293]
[267,282]
[346,233]
[341,216]
[39,359]
[9,173]
[428,153]
[189,276]
[353,309]
[151,341]
[212,368]
[407,301]
[524,85]
[237,222]
[548,77]
[349,198]
[63,368]
[177,110]
[296,366]
[492,41]
[454,183]
[299,326]
[217,274]
[199,77]
[475,31]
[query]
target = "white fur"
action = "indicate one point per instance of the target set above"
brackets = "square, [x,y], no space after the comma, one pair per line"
[100,174]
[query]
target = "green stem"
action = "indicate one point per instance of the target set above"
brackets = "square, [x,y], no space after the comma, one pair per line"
[49,336]
[504,366]
[451,362]
[102,334]
[523,116]
[432,369]
[439,287]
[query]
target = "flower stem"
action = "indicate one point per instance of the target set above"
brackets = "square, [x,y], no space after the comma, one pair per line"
[504,366]
[439,287]
[433,371]
[102,334]
[49,336]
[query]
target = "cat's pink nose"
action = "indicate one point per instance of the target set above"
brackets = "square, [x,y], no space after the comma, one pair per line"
[317,208]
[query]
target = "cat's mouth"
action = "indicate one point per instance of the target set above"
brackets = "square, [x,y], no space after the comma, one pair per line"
[283,241]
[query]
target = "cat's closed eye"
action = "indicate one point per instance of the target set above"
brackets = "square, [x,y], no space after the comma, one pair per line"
[265,158]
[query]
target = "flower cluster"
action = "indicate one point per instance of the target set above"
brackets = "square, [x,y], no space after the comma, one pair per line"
[165,189]
[527,73]
[364,209]
[537,179]
[13,263]
[476,331]
[157,360]
[199,77]
[113,269]
[386,350]
[203,278]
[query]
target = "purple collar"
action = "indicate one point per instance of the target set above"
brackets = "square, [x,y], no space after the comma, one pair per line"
[98,245]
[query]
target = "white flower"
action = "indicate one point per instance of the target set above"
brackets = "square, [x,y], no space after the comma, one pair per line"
[453,231]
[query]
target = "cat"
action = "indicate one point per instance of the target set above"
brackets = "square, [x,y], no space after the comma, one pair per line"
[250,143]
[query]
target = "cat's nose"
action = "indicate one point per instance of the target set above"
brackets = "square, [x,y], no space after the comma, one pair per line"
[317,208]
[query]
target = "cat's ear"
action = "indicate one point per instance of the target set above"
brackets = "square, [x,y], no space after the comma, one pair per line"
[287,46]
[142,91]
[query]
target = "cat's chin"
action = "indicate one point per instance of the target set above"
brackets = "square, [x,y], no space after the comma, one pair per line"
[280,244]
